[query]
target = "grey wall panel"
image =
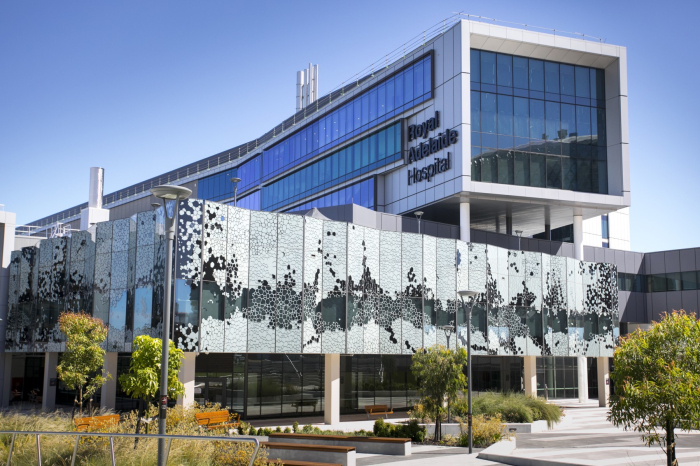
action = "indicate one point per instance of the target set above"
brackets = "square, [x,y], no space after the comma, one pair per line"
[672,260]
[659,305]
[687,260]
[674,301]
[657,262]
[689,301]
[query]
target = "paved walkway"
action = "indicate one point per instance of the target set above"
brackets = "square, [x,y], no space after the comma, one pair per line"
[585,437]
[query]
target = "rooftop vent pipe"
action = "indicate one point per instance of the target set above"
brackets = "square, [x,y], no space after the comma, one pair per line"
[97,181]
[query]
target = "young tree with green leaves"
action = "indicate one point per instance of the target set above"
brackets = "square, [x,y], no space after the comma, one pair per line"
[657,381]
[142,382]
[81,367]
[440,376]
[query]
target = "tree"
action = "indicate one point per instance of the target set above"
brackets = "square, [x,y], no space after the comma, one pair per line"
[440,376]
[81,367]
[657,381]
[142,382]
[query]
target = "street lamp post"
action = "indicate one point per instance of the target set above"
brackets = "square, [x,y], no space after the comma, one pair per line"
[235,182]
[469,294]
[418,214]
[167,193]
[448,329]
[519,233]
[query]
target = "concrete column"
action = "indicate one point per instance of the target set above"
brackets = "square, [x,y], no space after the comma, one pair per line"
[186,376]
[578,237]
[109,389]
[530,375]
[7,245]
[7,379]
[464,222]
[582,363]
[331,394]
[548,232]
[603,382]
[48,393]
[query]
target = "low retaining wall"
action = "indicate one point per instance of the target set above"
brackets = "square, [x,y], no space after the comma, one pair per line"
[520,428]
[379,446]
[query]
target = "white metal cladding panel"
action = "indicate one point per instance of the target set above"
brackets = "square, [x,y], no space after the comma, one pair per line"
[355,259]
[390,303]
[313,285]
[446,290]
[215,238]
[237,269]
[429,286]
[370,305]
[262,279]
[412,287]
[334,286]
[290,256]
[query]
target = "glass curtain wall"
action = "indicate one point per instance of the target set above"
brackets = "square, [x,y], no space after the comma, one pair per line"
[558,376]
[376,379]
[537,123]
[394,95]
[219,186]
[373,151]
[361,193]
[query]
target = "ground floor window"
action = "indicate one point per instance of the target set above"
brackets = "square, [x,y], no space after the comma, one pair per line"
[557,377]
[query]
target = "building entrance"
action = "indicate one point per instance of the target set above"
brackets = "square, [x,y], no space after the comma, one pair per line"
[210,390]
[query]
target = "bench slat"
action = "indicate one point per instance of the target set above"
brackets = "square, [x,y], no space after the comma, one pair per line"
[301,446]
[342,438]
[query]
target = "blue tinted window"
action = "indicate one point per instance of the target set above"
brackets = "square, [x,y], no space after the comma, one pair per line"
[567,79]
[521,112]
[520,72]
[361,193]
[536,75]
[568,120]
[583,87]
[488,67]
[474,67]
[488,113]
[553,124]
[583,124]
[505,115]
[537,130]
[551,77]
[505,70]
[475,112]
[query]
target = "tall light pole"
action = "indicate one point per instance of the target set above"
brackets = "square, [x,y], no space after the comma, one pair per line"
[167,193]
[418,214]
[448,329]
[469,294]
[519,233]
[235,182]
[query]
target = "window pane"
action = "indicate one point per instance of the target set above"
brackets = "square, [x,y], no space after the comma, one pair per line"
[566,73]
[537,130]
[505,115]
[582,82]
[418,80]
[554,172]
[505,70]
[689,280]
[408,86]
[474,64]
[551,77]
[583,125]
[489,168]
[522,169]
[521,121]
[488,112]
[536,75]
[475,112]
[538,170]
[520,72]
[488,67]
[569,171]
[505,167]
[673,281]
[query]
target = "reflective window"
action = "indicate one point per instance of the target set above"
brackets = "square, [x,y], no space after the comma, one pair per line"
[538,107]
[394,95]
[361,193]
[354,160]
[218,187]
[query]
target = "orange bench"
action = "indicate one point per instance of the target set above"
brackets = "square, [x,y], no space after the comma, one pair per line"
[85,424]
[218,420]
[372,410]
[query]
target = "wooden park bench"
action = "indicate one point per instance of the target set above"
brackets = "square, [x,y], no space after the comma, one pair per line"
[218,420]
[379,410]
[303,403]
[86,424]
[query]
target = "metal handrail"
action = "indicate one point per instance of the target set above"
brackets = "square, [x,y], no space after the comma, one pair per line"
[111,436]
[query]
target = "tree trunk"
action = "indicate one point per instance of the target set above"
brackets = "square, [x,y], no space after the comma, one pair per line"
[80,400]
[670,444]
[438,430]
[138,422]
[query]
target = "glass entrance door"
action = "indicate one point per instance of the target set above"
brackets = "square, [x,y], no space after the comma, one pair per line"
[210,390]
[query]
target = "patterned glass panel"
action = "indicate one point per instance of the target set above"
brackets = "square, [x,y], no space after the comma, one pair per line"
[575,316]
[103,268]
[334,286]
[14,317]
[313,281]
[262,279]
[52,289]
[143,277]
[411,278]
[593,305]
[158,273]
[429,288]
[24,316]
[478,280]
[237,270]
[290,254]
[462,263]
[445,291]
[372,292]
[390,301]
[519,302]
[118,287]
[609,308]
[356,254]
[214,267]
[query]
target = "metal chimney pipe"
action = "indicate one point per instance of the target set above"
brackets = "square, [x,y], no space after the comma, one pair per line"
[300,90]
[97,181]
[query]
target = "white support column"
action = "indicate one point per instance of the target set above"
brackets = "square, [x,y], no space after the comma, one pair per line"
[582,363]
[603,382]
[48,392]
[331,394]
[7,380]
[530,375]
[109,389]
[578,237]
[186,376]
[464,222]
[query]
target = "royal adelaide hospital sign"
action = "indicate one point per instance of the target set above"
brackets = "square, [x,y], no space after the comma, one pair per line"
[430,146]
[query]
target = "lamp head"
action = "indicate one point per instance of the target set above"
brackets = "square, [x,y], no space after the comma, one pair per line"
[235,180]
[155,205]
[519,232]
[169,192]
[467,293]
[418,213]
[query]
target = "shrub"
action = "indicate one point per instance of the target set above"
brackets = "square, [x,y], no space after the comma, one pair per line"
[278,429]
[412,430]
[485,431]
[287,430]
[512,407]
[295,427]
[307,429]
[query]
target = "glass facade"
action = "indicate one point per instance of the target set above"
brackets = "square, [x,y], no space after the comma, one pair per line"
[361,193]
[659,282]
[558,376]
[396,94]
[373,151]
[537,123]
[219,186]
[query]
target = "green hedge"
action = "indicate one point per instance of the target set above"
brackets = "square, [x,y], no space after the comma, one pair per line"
[412,430]
[512,407]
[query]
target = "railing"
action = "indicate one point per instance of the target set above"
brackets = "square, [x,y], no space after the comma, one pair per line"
[111,436]
[484,19]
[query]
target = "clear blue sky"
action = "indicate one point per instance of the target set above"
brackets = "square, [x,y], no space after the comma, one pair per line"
[140,88]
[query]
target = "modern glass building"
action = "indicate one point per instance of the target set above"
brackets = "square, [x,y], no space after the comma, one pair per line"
[312,293]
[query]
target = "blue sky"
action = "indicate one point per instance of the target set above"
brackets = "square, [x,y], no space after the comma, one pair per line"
[141,88]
